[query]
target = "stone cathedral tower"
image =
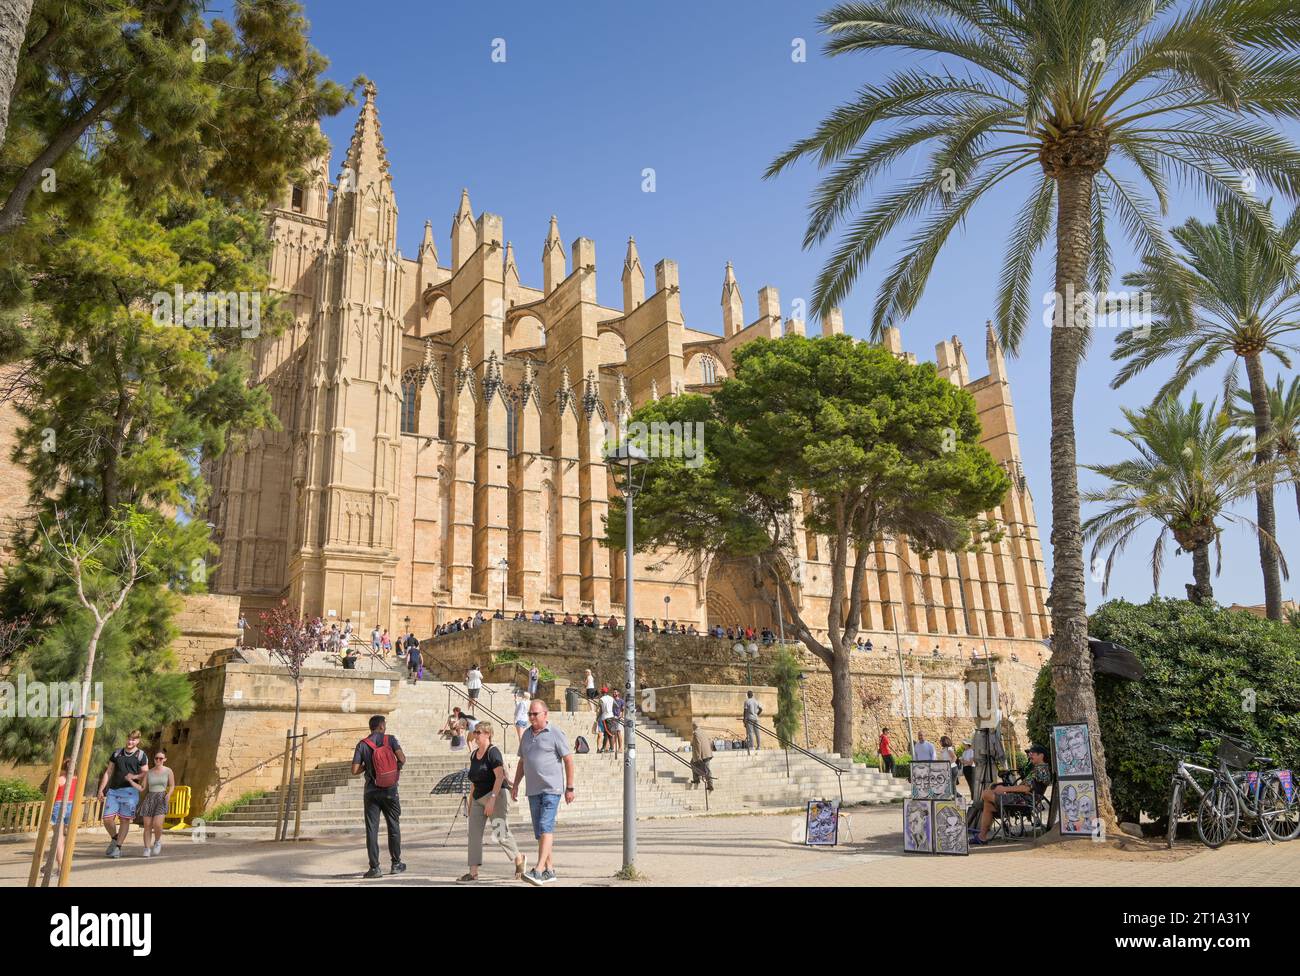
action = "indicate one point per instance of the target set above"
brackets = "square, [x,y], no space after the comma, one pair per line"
[443,427]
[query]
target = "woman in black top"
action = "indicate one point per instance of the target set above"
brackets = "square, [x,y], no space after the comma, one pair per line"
[489,802]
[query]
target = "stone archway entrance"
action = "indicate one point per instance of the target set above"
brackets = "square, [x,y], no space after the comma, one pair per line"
[731,598]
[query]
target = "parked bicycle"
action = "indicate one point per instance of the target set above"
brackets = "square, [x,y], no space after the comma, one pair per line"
[1251,803]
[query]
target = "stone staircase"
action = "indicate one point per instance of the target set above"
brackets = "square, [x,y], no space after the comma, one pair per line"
[744,782]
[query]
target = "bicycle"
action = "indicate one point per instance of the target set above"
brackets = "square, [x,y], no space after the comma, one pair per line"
[1234,804]
[1182,780]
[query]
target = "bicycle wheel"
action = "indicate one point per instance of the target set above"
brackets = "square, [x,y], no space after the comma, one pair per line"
[1217,816]
[1249,825]
[1175,810]
[1280,819]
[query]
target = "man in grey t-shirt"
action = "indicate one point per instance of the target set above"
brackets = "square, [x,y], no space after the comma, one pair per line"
[752,711]
[547,761]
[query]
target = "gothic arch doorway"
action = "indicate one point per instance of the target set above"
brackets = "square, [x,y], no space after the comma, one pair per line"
[731,598]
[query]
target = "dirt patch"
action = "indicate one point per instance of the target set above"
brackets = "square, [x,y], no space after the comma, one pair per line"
[1148,850]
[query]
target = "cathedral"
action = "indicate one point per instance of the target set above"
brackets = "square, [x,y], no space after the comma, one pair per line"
[443,425]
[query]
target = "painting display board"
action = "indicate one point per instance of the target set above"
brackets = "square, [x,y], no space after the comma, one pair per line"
[932,781]
[823,823]
[918,826]
[1075,783]
[950,832]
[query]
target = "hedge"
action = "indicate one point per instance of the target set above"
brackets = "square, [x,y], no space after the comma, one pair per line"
[1206,667]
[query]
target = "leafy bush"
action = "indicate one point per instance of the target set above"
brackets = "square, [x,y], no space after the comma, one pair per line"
[1206,667]
[16,791]
[225,809]
[514,657]
[785,676]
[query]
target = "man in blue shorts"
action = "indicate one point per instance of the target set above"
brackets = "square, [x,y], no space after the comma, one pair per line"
[546,759]
[119,790]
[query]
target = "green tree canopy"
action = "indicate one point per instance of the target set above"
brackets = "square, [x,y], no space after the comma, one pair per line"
[843,435]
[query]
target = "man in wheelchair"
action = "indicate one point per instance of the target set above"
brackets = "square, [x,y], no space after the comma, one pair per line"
[1012,796]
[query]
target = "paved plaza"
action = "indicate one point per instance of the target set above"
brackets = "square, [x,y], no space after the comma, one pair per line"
[749,850]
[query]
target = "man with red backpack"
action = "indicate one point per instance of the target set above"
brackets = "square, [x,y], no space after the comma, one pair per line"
[380,757]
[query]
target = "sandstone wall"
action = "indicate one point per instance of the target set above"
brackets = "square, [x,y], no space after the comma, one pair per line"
[208,623]
[234,741]
[943,695]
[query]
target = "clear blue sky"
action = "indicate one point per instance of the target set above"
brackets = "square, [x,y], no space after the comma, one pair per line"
[705,93]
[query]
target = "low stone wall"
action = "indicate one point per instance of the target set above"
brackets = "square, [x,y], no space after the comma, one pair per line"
[233,743]
[942,694]
[209,626]
[718,707]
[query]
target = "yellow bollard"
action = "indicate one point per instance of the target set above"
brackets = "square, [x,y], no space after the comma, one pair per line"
[302,779]
[83,764]
[43,828]
[284,787]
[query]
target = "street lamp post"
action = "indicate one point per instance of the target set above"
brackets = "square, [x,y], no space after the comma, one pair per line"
[504,566]
[627,457]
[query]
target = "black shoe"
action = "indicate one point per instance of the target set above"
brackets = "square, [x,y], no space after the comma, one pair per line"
[373,873]
[397,868]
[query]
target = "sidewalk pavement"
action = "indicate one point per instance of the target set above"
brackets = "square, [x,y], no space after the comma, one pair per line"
[745,850]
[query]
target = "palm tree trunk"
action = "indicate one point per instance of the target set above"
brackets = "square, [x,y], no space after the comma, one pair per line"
[1076,700]
[13,28]
[1265,516]
[1202,592]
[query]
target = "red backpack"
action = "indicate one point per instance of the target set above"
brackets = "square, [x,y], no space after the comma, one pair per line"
[384,762]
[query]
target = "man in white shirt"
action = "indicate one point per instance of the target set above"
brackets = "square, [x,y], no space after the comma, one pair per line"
[606,722]
[922,751]
[473,681]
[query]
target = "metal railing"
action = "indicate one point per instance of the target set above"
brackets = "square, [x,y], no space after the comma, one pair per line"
[787,745]
[656,747]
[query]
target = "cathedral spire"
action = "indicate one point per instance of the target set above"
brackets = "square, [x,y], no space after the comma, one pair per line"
[993,350]
[633,278]
[552,258]
[511,270]
[363,206]
[463,237]
[428,250]
[733,307]
[366,161]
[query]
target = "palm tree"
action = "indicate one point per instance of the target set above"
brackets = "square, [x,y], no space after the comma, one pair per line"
[1284,418]
[1225,295]
[1099,98]
[1186,477]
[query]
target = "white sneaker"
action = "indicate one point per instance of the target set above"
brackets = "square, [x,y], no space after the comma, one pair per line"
[147,852]
[157,848]
[108,851]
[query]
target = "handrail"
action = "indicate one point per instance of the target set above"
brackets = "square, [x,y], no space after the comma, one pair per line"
[477,704]
[790,744]
[655,749]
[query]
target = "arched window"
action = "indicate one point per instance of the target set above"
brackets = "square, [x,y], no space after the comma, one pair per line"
[710,368]
[512,428]
[410,401]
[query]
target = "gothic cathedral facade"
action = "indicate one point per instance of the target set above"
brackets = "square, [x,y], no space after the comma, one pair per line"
[443,427]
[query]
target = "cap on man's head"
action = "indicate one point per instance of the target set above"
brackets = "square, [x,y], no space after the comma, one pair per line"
[1041,750]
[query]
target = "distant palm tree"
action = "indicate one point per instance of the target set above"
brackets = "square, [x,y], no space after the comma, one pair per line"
[1225,296]
[1188,475]
[1284,418]
[1087,94]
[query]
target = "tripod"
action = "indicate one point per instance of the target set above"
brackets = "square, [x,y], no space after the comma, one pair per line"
[461,808]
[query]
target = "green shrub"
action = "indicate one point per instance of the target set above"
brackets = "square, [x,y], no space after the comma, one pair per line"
[514,657]
[223,809]
[16,791]
[785,676]
[1206,667]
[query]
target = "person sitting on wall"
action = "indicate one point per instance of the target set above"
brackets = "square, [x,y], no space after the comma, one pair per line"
[1036,780]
